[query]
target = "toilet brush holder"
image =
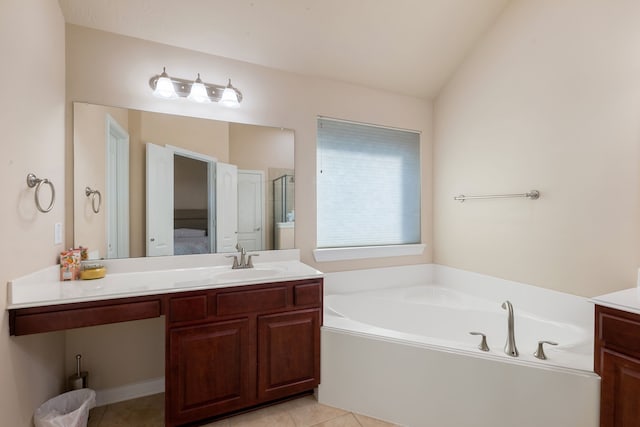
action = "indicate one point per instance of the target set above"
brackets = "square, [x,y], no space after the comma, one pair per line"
[79,379]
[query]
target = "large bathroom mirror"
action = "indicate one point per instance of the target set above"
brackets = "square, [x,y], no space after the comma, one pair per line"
[152,184]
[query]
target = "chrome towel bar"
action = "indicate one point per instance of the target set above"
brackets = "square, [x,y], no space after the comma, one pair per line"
[34,181]
[533,195]
[93,193]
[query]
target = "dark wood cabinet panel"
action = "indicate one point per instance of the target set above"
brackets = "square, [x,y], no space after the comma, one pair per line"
[193,307]
[307,294]
[238,302]
[620,391]
[288,353]
[617,361]
[35,320]
[209,370]
[618,330]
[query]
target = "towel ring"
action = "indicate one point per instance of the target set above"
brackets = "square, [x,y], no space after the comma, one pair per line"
[93,193]
[34,181]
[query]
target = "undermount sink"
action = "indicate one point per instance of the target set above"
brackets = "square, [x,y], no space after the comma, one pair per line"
[247,274]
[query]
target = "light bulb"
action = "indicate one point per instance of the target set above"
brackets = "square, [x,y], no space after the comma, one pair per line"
[199,92]
[229,96]
[164,87]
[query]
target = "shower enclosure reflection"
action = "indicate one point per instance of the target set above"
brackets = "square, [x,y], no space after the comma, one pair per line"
[283,211]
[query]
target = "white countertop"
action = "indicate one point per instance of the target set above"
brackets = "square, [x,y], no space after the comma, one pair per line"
[626,300]
[132,278]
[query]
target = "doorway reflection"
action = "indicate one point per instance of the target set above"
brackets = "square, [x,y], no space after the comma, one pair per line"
[283,211]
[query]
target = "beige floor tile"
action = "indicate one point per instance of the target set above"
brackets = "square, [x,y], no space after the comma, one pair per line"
[221,423]
[267,417]
[347,420]
[145,411]
[308,412]
[372,422]
[302,412]
[95,416]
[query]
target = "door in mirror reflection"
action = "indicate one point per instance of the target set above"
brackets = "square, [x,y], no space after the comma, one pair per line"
[159,201]
[191,203]
[250,210]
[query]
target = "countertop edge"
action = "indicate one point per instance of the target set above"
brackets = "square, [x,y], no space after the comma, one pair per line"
[625,300]
[165,291]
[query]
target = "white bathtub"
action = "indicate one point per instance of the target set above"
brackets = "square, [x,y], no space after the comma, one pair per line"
[396,346]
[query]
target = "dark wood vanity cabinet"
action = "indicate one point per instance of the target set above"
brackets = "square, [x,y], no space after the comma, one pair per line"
[210,370]
[288,353]
[234,348]
[617,361]
[227,349]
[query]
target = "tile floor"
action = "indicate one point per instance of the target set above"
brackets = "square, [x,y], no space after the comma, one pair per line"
[148,411]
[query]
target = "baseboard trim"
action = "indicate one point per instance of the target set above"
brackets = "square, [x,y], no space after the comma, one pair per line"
[129,391]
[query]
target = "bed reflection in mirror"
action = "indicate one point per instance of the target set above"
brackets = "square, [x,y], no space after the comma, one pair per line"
[177,185]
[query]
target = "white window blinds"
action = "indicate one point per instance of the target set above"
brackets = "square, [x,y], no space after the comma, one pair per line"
[368,185]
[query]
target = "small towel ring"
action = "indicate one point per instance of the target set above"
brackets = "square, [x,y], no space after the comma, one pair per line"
[34,181]
[93,193]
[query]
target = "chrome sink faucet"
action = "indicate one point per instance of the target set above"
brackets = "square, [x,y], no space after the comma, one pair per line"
[245,261]
[510,346]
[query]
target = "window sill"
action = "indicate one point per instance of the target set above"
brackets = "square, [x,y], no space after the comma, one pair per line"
[344,254]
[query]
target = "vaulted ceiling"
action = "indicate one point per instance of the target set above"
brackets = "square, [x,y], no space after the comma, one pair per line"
[404,46]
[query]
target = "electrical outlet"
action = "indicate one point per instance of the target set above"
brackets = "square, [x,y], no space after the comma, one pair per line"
[57,233]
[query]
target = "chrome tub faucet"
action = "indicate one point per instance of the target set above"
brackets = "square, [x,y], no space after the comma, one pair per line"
[510,346]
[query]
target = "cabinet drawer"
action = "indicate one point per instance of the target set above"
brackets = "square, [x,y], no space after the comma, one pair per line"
[38,320]
[183,309]
[307,294]
[248,301]
[619,332]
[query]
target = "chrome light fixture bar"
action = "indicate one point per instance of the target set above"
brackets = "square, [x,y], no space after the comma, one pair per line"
[196,90]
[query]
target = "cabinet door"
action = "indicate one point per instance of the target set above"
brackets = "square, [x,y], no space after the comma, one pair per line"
[288,353]
[620,391]
[208,370]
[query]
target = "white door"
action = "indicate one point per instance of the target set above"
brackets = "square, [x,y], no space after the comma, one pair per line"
[251,210]
[226,207]
[159,200]
[117,190]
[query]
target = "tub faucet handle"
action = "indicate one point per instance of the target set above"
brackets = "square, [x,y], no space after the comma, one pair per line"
[483,344]
[539,353]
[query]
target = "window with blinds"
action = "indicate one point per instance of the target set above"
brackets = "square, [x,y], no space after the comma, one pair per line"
[368,185]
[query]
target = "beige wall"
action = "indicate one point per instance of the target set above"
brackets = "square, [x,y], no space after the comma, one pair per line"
[118,354]
[123,67]
[32,122]
[207,137]
[550,100]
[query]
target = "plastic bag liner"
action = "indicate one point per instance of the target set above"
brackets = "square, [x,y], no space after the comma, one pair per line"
[69,409]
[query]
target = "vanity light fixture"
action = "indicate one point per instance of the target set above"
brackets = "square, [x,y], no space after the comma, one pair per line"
[171,87]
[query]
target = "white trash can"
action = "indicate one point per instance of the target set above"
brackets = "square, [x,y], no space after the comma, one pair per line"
[69,409]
